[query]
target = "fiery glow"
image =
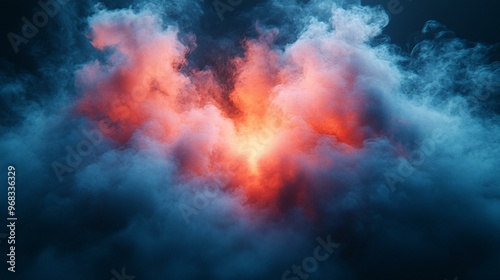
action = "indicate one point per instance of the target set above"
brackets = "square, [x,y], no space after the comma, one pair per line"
[254,146]
[279,114]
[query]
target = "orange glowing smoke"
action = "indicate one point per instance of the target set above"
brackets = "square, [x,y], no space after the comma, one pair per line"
[286,108]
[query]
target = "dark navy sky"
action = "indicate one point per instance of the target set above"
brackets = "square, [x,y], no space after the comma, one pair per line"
[474,20]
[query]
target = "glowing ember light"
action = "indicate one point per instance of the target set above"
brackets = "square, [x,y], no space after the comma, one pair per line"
[255,144]
[284,110]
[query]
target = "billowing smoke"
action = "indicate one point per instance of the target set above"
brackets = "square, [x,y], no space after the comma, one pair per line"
[306,148]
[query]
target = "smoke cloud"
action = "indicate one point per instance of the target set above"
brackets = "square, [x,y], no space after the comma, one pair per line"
[182,154]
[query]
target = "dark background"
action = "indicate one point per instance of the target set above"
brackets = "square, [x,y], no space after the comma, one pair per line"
[473,20]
